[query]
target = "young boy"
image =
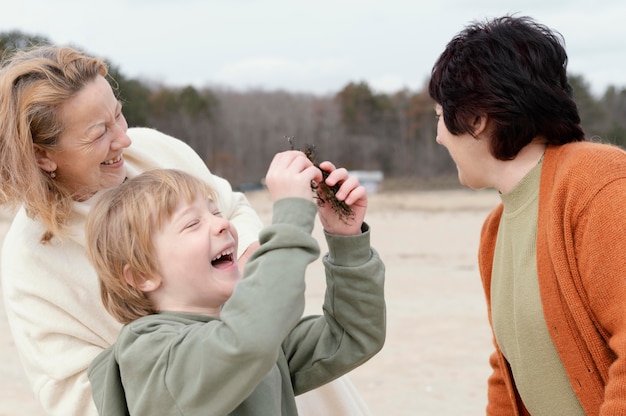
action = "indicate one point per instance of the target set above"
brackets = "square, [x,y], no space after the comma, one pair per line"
[198,338]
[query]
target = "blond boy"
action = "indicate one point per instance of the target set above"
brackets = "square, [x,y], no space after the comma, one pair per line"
[199,338]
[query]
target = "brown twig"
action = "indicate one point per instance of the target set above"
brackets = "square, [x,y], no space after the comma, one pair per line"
[324,192]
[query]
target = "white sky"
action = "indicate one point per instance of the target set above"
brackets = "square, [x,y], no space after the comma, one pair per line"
[313,46]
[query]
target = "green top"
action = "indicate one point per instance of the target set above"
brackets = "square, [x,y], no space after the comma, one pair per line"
[260,353]
[518,321]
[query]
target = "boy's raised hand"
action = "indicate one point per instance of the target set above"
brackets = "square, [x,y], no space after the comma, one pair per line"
[350,192]
[290,175]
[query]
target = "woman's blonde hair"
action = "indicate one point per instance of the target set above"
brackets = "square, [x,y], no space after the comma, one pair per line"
[34,84]
[119,232]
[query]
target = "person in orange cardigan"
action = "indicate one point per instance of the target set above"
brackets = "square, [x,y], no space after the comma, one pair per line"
[551,255]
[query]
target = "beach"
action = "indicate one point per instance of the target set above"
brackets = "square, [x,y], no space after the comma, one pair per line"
[435,358]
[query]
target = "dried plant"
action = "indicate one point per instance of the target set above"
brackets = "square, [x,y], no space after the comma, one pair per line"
[324,192]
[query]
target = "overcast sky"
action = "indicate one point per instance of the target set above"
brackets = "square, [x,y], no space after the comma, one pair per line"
[313,46]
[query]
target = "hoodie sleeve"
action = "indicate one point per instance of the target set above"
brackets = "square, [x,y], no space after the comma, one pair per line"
[353,326]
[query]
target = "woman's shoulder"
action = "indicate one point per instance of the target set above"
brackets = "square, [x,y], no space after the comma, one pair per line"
[151,148]
[588,154]
[576,172]
[584,162]
[21,230]
[148,136]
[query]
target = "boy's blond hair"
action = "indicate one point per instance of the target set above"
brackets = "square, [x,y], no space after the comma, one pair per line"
[119,232]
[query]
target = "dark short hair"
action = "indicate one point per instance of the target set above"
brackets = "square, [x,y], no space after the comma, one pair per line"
[512,70]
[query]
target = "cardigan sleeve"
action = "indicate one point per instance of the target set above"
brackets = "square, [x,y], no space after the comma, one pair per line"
[600,281]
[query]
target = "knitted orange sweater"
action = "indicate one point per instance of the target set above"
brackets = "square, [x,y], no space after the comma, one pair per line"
[581,267]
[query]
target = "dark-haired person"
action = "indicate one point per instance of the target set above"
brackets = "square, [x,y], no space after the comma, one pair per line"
[551,256]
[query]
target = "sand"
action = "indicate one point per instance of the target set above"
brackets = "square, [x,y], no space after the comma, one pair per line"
[435,359]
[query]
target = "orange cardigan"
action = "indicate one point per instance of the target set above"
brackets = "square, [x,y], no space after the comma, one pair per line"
[581,267]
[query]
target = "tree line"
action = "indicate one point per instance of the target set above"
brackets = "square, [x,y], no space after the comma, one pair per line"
[238,132]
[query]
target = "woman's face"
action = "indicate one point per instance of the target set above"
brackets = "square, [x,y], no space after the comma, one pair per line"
[470,154]
[89,153]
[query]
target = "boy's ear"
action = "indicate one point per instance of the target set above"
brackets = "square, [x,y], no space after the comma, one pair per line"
[43,159]
[140,281]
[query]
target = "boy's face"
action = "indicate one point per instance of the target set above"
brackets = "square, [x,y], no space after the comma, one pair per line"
[196,250]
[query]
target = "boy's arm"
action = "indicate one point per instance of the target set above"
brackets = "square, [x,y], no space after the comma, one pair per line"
[352,329]
[353,326]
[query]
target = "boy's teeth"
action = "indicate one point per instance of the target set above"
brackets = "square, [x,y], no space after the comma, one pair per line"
[223,253]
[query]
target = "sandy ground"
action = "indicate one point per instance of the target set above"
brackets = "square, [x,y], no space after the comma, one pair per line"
[435,358]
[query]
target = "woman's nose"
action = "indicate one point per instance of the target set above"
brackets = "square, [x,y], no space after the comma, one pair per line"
[121,139]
